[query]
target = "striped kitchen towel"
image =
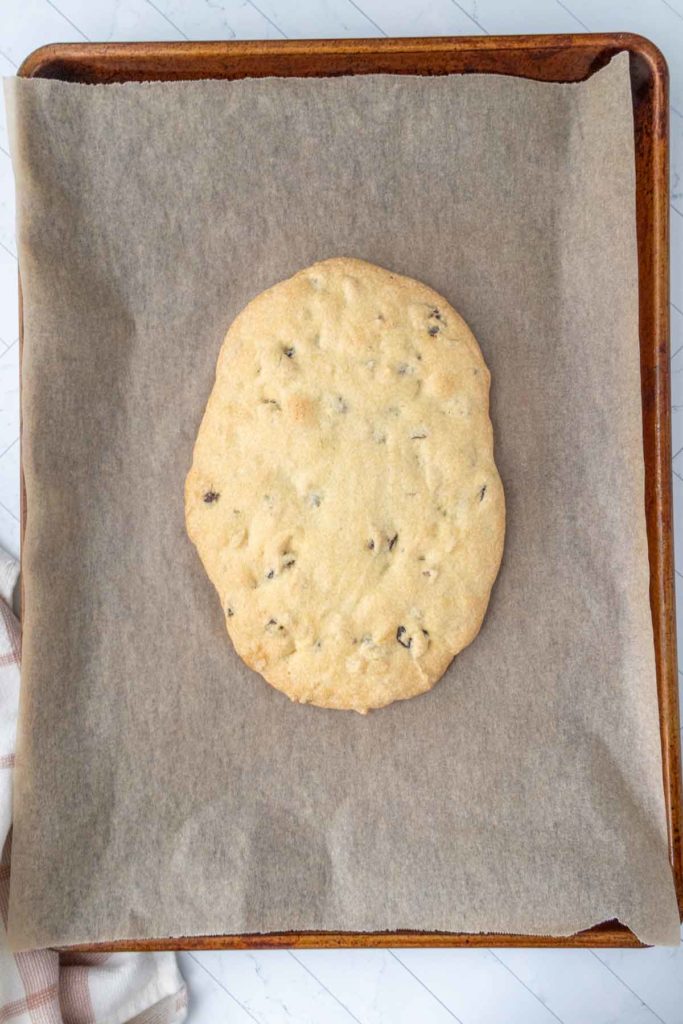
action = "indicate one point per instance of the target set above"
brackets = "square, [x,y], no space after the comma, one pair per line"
[46,987]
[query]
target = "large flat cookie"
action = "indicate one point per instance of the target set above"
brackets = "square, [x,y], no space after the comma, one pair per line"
[343,495]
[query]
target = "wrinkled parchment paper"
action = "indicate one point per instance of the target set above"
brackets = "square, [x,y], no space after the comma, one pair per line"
[163,788]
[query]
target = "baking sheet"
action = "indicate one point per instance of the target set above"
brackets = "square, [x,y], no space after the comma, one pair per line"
[163,788]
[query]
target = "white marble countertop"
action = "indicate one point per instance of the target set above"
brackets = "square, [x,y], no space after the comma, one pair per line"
[477,986]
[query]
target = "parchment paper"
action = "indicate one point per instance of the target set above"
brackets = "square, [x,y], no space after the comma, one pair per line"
[163,788]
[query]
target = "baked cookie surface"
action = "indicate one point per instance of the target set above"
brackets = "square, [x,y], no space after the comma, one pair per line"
[343,495]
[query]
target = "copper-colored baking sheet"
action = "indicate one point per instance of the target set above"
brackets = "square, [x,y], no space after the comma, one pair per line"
[566,58]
